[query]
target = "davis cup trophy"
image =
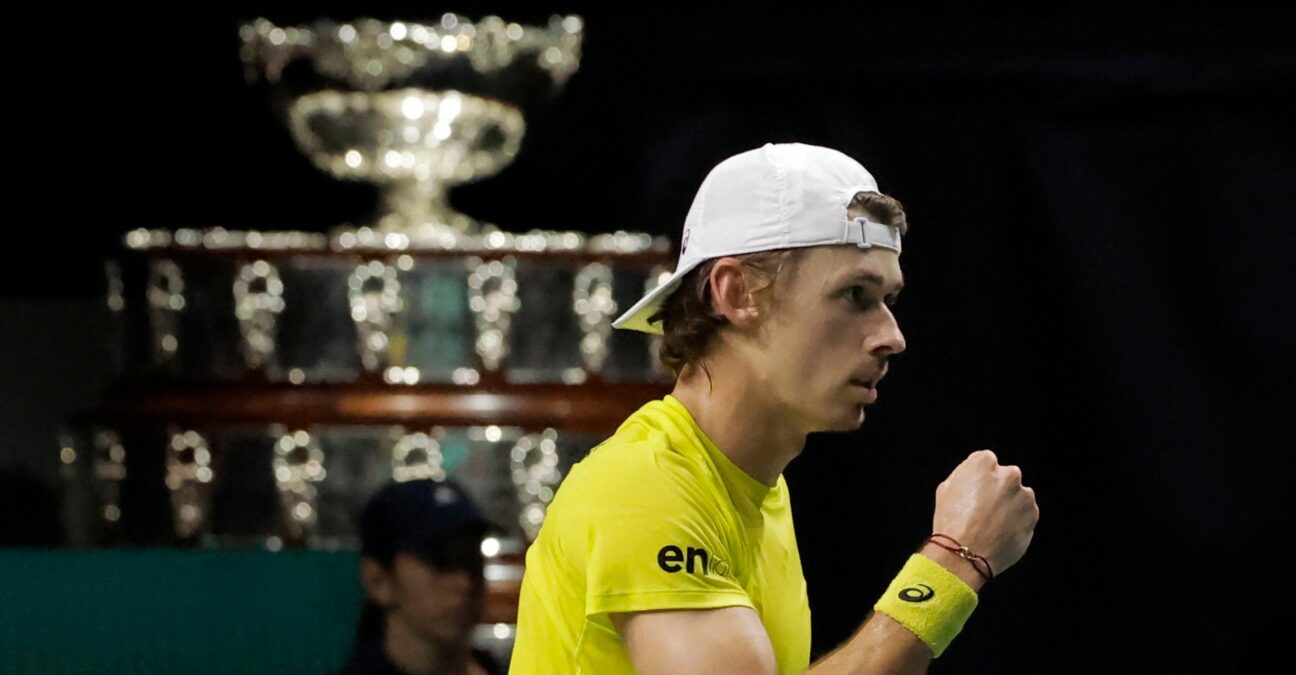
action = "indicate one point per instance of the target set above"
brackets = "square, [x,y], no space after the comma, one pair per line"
[267,382]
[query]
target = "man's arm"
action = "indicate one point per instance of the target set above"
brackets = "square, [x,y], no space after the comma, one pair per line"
[882,645]
[982,503]
[712,641]
[733,640]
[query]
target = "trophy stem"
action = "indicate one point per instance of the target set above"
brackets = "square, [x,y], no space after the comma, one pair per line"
[420,210]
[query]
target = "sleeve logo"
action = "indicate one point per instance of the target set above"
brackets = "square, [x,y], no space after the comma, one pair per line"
[691,559]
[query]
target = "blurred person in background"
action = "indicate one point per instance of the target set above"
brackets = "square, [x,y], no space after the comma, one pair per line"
[421,567]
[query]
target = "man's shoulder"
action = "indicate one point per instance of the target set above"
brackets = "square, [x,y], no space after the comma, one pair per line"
[636,472]
[635,458]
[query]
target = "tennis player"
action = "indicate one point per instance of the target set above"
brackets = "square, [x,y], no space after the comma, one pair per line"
[670,548]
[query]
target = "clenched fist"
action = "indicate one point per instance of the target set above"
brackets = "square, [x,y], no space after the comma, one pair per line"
[987,509]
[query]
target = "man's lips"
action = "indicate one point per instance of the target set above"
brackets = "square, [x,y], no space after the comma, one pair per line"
[868,386]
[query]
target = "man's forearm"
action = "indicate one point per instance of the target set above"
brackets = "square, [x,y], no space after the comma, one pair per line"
[883,645]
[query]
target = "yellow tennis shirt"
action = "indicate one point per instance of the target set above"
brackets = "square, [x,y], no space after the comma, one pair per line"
[656,517]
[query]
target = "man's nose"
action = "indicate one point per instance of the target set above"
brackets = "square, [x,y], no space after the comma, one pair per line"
[888,338]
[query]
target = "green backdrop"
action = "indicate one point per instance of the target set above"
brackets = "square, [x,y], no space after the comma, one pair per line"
[176,611]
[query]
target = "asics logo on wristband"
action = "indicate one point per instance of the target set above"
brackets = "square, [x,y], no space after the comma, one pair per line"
[916,594]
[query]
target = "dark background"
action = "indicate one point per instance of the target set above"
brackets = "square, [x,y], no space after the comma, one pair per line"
[1098,275]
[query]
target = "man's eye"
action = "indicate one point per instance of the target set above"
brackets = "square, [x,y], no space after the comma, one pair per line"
[861,297]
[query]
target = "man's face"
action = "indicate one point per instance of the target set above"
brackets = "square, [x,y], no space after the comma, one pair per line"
[440,602]
[827,341]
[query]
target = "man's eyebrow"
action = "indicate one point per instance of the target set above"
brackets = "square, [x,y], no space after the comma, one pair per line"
[876,280]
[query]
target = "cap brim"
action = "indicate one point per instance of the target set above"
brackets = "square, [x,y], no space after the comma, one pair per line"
[636,318]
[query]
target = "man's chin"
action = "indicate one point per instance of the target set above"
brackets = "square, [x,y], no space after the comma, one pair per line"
[454,633]
[848,421]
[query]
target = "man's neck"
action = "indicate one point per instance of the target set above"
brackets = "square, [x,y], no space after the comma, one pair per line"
[417,655]
[735,413]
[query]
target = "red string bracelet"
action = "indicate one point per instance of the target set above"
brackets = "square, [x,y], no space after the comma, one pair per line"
[963,552]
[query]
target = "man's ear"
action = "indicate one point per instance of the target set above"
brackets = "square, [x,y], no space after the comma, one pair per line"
[377,581]
[731,295]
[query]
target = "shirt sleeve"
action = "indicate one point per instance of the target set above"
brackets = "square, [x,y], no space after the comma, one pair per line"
[657,537]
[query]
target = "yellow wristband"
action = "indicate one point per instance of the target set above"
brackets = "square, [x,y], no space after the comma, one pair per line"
[929,600]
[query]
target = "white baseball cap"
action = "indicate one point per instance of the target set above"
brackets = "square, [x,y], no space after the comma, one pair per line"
[784,195]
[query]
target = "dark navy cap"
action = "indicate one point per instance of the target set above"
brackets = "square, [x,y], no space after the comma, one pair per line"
[422,517]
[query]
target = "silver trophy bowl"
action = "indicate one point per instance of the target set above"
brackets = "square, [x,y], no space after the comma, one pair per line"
[412,108]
